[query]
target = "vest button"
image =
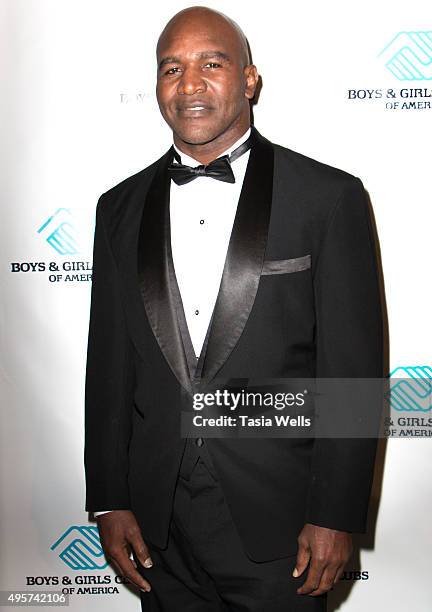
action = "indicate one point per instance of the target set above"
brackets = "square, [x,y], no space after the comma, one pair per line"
[199,441]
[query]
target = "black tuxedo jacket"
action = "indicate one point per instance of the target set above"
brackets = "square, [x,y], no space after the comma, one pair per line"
[318,316]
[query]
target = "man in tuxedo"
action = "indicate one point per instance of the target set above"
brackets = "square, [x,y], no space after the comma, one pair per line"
[231,257]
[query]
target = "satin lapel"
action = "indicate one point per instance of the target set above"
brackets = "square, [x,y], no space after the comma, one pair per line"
[155,273]
[244,259]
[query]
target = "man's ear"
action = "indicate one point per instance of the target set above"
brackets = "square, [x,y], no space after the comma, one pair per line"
[251,75]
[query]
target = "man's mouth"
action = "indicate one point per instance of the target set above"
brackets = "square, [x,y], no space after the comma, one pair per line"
[194,110]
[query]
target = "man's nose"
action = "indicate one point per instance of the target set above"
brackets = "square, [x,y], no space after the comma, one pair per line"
[191,82]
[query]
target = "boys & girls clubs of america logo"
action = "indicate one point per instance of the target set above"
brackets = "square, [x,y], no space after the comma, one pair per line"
[407,57]
[59,236]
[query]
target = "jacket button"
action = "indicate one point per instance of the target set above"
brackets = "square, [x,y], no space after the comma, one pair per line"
[199,441]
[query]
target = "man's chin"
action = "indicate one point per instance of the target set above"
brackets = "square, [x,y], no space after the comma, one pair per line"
[197,135]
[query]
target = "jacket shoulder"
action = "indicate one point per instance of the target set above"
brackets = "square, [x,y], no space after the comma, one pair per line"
[130,183]
[124,199]
[314,189]
[310,171]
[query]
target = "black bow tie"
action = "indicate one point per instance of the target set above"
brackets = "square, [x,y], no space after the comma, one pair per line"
[219,169]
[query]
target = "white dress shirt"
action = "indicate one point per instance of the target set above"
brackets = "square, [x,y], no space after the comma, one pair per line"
[201,217]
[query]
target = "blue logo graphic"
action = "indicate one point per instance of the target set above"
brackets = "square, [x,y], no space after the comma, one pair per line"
[409,56]
[60,233]
[413,390]
[80,548]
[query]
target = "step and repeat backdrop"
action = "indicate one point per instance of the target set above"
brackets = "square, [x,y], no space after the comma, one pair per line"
[347,84]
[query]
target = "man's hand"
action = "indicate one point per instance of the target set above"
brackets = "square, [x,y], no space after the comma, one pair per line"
[119,531]
[327,550]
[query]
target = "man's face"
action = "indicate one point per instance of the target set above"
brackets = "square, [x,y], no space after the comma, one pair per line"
[202,87]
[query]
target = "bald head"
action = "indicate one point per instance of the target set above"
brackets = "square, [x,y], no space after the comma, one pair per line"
[205,81]
[205,19]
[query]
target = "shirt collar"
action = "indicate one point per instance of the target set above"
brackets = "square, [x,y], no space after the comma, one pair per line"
[190,161]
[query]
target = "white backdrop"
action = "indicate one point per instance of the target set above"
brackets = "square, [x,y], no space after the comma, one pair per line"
[79,114]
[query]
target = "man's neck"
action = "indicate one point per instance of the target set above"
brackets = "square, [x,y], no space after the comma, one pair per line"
[207,152]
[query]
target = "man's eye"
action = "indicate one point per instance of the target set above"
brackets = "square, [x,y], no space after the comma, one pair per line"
[170,71]
[214,64]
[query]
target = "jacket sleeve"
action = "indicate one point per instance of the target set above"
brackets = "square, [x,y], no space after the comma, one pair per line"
[349,344]
[109,383]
